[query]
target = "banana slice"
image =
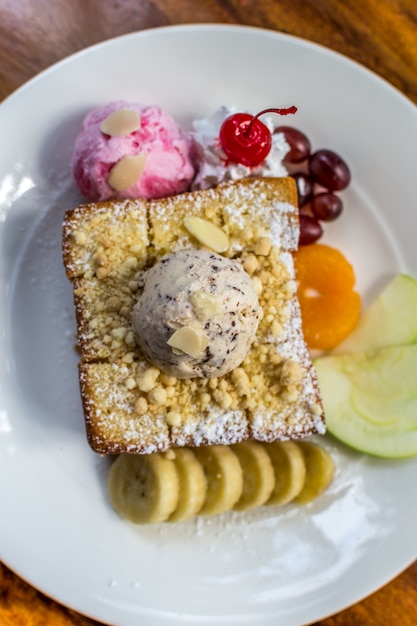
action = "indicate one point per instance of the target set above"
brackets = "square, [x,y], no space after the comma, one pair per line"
[143,488]
[258,475]
[319,471]
[193,485]
[290,471]
[224,478]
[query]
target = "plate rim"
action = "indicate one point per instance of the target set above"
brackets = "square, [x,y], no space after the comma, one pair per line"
[203,26]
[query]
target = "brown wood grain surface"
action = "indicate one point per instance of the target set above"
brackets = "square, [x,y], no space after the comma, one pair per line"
[380,34]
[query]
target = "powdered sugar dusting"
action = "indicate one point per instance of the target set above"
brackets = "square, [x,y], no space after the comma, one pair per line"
[218,427]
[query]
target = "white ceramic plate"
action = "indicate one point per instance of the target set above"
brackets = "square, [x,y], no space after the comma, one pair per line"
[289,566]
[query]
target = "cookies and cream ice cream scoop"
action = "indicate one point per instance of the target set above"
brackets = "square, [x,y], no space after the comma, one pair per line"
[198,314]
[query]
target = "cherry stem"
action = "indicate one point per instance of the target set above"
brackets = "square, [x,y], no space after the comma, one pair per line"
[288,111]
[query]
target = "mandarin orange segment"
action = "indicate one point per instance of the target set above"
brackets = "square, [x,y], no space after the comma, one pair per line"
[330,307]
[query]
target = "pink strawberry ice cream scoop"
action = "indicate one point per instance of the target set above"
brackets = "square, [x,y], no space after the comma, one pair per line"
[128,150]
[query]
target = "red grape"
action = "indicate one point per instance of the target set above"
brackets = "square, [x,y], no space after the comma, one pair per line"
[326,206]
[329,170]
[304,184]
[310,230]
[300,146]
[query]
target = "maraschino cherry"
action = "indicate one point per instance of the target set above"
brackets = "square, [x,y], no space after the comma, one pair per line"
[245,139]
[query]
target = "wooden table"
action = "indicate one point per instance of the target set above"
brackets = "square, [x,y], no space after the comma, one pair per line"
[380,34]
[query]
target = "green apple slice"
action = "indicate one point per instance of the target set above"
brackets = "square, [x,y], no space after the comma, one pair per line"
[370,399]
[390,320]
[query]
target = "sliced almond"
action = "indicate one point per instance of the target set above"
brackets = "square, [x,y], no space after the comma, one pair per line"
[205,305]
[207,233]
[120,123]
[189,341]
[126,172]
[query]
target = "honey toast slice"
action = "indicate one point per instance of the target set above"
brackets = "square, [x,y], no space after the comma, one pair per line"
[129,405]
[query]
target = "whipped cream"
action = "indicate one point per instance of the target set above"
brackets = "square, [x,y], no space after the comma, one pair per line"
[212,163]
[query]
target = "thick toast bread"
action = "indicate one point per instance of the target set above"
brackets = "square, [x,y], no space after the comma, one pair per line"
[129,405]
